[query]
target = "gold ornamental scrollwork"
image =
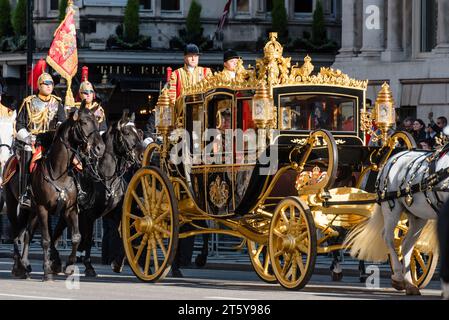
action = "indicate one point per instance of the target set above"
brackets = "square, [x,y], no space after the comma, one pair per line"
[276,70]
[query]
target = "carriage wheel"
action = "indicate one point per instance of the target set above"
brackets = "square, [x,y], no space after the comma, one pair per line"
[260,260]
[150,224]
[422,264]
[292,243]
[149,153]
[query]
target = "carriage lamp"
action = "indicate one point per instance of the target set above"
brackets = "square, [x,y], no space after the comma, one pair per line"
[262,113]
[384,111]
[164,119]
[262,106]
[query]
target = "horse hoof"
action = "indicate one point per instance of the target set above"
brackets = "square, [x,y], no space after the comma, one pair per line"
[337,276]
[47,277]
[117,267]
[200,260]
[398,285]
[363,278]
[412,291]
[69,269]
[90,273]
[56,267]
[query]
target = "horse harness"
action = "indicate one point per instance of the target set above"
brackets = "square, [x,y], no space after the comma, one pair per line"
[427,185]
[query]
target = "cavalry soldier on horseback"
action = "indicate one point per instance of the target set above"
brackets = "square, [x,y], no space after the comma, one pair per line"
[37,120]
[87,93]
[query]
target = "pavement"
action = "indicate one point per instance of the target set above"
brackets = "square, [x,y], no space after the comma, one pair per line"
[226,260]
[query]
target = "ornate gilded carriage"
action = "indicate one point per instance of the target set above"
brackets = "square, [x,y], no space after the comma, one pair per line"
[276,156]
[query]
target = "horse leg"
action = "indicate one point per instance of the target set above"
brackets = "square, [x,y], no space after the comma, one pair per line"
[362,270]
[443,239]
[87,239]
[201,259]
[28,236]
[42,213]
[391,218]
[71,216]
[336,270]
[415,227]
[117,245]
[56,264]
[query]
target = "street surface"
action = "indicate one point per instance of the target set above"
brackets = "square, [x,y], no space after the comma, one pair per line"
[197,284]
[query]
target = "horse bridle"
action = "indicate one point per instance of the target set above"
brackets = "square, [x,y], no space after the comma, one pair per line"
[81,136]
[129,153]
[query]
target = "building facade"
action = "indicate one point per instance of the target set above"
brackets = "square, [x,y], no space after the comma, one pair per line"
[138,74]
[403,42]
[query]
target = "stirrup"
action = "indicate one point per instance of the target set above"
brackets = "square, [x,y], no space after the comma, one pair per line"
[25,201]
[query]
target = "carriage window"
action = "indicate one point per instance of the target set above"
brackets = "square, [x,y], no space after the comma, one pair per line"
[195,126]
[309,112]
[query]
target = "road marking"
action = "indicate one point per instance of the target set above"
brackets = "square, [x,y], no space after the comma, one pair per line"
[228,298]
[30,297]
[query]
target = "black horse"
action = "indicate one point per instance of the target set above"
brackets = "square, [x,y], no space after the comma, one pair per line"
[105,190]
[53,189]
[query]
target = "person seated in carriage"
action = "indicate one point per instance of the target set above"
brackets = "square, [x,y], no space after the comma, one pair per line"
[37,120]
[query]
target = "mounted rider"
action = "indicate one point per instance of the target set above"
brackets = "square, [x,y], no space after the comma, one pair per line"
[37,120]
[87,93]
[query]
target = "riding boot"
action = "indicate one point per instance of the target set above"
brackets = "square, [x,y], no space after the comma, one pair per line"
[25,199]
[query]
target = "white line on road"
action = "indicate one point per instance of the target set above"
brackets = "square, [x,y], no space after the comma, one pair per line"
[228,298]
[30,297]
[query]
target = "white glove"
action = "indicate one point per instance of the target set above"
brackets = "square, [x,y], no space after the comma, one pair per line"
[25,136]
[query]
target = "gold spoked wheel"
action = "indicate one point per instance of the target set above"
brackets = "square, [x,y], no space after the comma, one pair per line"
[422,263]
[150,224]
[260,259]
[292,243]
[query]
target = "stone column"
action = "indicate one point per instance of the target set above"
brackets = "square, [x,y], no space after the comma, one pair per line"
[347,50]
[373,29]
[394,50]
[443,28]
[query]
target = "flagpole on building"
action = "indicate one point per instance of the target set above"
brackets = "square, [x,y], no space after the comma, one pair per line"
[30,45]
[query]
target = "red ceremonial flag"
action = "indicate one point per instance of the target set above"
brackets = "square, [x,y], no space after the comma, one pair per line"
[224,16]
[63,53]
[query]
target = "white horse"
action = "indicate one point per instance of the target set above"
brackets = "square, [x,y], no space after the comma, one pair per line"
[7,125]
[374,240]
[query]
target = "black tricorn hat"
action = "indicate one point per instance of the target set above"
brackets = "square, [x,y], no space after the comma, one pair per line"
[191,49]
[230,54]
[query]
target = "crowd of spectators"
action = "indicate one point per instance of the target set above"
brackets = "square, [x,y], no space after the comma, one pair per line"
[425,135]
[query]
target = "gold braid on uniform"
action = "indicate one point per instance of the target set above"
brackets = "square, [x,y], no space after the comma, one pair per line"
[39,119]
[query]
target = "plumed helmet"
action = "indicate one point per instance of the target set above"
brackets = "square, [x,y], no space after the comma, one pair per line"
[86,85]
[44,77]
[191,49]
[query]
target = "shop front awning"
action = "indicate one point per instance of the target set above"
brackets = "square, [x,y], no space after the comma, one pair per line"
[138,84]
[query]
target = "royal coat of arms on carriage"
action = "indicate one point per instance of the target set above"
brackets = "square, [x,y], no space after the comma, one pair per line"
[219,192]
[308,178]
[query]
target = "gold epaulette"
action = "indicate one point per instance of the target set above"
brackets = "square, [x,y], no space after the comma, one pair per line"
[56,97]
[26,100]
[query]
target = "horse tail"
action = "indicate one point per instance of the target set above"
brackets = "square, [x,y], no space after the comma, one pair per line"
[428,240]
[366,241]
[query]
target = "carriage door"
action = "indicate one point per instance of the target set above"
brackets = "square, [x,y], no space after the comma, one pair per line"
[218,154]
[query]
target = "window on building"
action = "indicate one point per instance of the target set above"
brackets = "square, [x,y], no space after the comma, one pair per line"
[173,5]
[54,4]
[428,25]
[303,6]
[328,6]
[242,5]
[145,4]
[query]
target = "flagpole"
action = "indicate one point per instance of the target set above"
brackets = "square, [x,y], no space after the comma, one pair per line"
[30,45]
